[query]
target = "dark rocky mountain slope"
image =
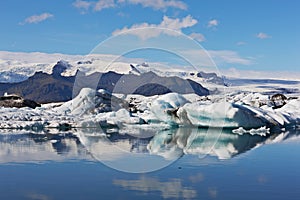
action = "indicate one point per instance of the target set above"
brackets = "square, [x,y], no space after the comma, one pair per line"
[44,88]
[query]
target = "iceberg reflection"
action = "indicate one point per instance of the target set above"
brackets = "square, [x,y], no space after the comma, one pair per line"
[140,150]
[39,147]
[214,142]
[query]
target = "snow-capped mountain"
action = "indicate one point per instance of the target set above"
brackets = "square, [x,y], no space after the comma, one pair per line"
[17,67]
[11,77]
[55,87]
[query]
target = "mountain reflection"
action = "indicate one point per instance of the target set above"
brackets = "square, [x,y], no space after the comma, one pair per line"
[37,147]
[118,144]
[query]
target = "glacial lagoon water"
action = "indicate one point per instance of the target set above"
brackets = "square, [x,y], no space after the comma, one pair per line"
[181,163]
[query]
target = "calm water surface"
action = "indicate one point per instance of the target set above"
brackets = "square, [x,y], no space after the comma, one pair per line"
[180,163]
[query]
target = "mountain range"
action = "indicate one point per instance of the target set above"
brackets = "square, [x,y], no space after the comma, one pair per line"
[44,88]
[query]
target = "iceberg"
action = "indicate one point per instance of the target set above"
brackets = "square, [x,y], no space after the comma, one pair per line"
[221,114]
[90,101]
[250,112]
[246,113]
[165,106]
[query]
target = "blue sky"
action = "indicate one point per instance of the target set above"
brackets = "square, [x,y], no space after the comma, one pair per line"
[249,35]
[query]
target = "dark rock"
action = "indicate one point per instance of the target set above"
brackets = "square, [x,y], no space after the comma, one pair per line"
[59,68]
[134,69]
[106,102]
[88,62]
[31,104]
[17,102]
[64,127]
[211,78]
[278,100]
[151,89]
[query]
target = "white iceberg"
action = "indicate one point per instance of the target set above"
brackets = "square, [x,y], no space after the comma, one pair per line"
[92,108]
[165,105]
[175,109]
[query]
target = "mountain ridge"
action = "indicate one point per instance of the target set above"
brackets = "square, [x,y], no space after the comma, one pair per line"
[46,88]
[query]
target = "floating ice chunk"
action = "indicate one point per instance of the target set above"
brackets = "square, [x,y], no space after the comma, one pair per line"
[166,106]
[239,131]
[112,118]
[255,99]
[125,117]
[222,114]
[262,131]
[291,111]
[175,109]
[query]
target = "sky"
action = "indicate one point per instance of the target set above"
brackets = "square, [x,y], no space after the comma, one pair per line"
[257,35]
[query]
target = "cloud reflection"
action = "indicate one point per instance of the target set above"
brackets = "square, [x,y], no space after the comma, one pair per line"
[37,196]
[197,178]
[172,188]
[213,192]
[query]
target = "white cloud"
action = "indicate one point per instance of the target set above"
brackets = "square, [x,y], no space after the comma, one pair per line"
[197,36]
[83,5]
[262,35]
[213,23]
[258,74]
[159,4]
[165,26]
[229,57]
[102,4]
[122,14]
[177,24]
[241,43]
[211,58]
[37,18]
[99,5]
